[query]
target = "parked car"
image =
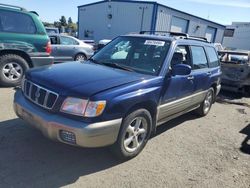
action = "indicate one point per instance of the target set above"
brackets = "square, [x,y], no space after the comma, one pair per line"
[102,43]
[52,30]
[67,48]
[235,66]
[120,102]
[23,44]
[90,42]
[218,46]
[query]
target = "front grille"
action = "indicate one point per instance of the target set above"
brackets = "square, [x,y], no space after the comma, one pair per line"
[39,95]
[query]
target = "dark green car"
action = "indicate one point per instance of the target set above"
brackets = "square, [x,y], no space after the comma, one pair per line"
[24,44]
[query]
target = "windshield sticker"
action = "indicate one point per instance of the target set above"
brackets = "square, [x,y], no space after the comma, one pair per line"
[154,42]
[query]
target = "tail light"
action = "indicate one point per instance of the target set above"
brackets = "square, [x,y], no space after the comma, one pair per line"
[48,48]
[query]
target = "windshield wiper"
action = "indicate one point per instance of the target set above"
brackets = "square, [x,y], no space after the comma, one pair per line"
[115,65]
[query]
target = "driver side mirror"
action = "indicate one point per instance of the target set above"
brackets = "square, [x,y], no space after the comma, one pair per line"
[181,69]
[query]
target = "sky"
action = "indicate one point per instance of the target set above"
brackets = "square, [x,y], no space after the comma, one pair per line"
[220,11]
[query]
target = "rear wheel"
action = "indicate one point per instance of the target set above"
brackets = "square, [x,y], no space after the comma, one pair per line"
[134,134]
[206,104]
[12,69]
[80,57]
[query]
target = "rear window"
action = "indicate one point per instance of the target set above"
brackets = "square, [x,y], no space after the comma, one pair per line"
[15,22]
[212,56]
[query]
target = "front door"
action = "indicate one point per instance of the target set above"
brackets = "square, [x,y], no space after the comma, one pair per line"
[177,91]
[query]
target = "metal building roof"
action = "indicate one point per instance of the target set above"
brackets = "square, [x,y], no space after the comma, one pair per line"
[150,2]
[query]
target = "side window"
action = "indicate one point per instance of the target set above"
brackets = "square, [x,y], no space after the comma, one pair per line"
[199,57]
[212,56]
[67,41]
[14,22]
[181,56]
[53,39]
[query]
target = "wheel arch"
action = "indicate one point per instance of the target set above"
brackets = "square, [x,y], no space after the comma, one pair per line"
[149,106]
[19,53]
[214,86]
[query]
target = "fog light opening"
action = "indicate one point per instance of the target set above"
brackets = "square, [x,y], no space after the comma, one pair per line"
[67,136]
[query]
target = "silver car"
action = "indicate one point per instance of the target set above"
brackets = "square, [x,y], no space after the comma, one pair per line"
[67,48]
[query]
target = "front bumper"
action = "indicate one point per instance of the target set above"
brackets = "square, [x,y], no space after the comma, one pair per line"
[40,61]
[51,125]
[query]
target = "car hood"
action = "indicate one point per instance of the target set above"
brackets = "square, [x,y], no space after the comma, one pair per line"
[81,79]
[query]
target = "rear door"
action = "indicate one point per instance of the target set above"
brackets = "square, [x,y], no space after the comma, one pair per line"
[201,73]
[66,49]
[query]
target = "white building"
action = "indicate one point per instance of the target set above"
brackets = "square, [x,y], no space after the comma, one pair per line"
[237,36]
[110,18]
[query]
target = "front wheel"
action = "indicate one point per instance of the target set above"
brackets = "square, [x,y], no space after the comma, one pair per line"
[134,134]
[206,104]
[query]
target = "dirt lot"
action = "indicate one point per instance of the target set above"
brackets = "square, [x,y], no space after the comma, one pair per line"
[213,151]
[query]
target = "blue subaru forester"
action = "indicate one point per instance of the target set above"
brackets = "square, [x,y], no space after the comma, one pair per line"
[120,95]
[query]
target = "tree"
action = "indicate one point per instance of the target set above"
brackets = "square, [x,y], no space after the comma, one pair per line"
[63,21]
[73,27]
[57,24]
[70,21]
[47,24]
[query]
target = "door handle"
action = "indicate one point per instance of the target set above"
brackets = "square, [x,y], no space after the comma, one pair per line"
[190,77]
[209,73]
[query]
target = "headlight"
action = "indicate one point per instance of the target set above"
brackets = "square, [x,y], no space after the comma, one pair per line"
[82,107]
[95,108]
[74,106]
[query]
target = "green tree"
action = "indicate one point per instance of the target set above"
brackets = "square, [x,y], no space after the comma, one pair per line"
[63,21]
[47,24]
[57,24]
[70,21]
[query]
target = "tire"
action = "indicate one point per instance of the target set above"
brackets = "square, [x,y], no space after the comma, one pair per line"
[206,105]
[80,57]
[134,134]
[12,69]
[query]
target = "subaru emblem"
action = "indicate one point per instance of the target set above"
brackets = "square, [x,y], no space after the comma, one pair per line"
[37,94]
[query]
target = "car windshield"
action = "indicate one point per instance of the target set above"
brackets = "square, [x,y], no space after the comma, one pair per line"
[135,54]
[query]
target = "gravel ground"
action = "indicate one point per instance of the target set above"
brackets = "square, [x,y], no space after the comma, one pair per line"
[213,151]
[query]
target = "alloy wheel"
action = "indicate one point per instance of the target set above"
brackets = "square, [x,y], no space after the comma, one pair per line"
[80,57]
[12,71]
[208,101]
[135,134]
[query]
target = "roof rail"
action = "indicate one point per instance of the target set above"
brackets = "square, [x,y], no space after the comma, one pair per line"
[12,6]
[177,34]
[167,32]
[198,38]
[34,12]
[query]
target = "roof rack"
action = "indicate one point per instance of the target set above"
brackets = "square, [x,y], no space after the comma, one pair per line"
[198,38]
[12,6]
[177,34]
[34,12]
[165,32]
